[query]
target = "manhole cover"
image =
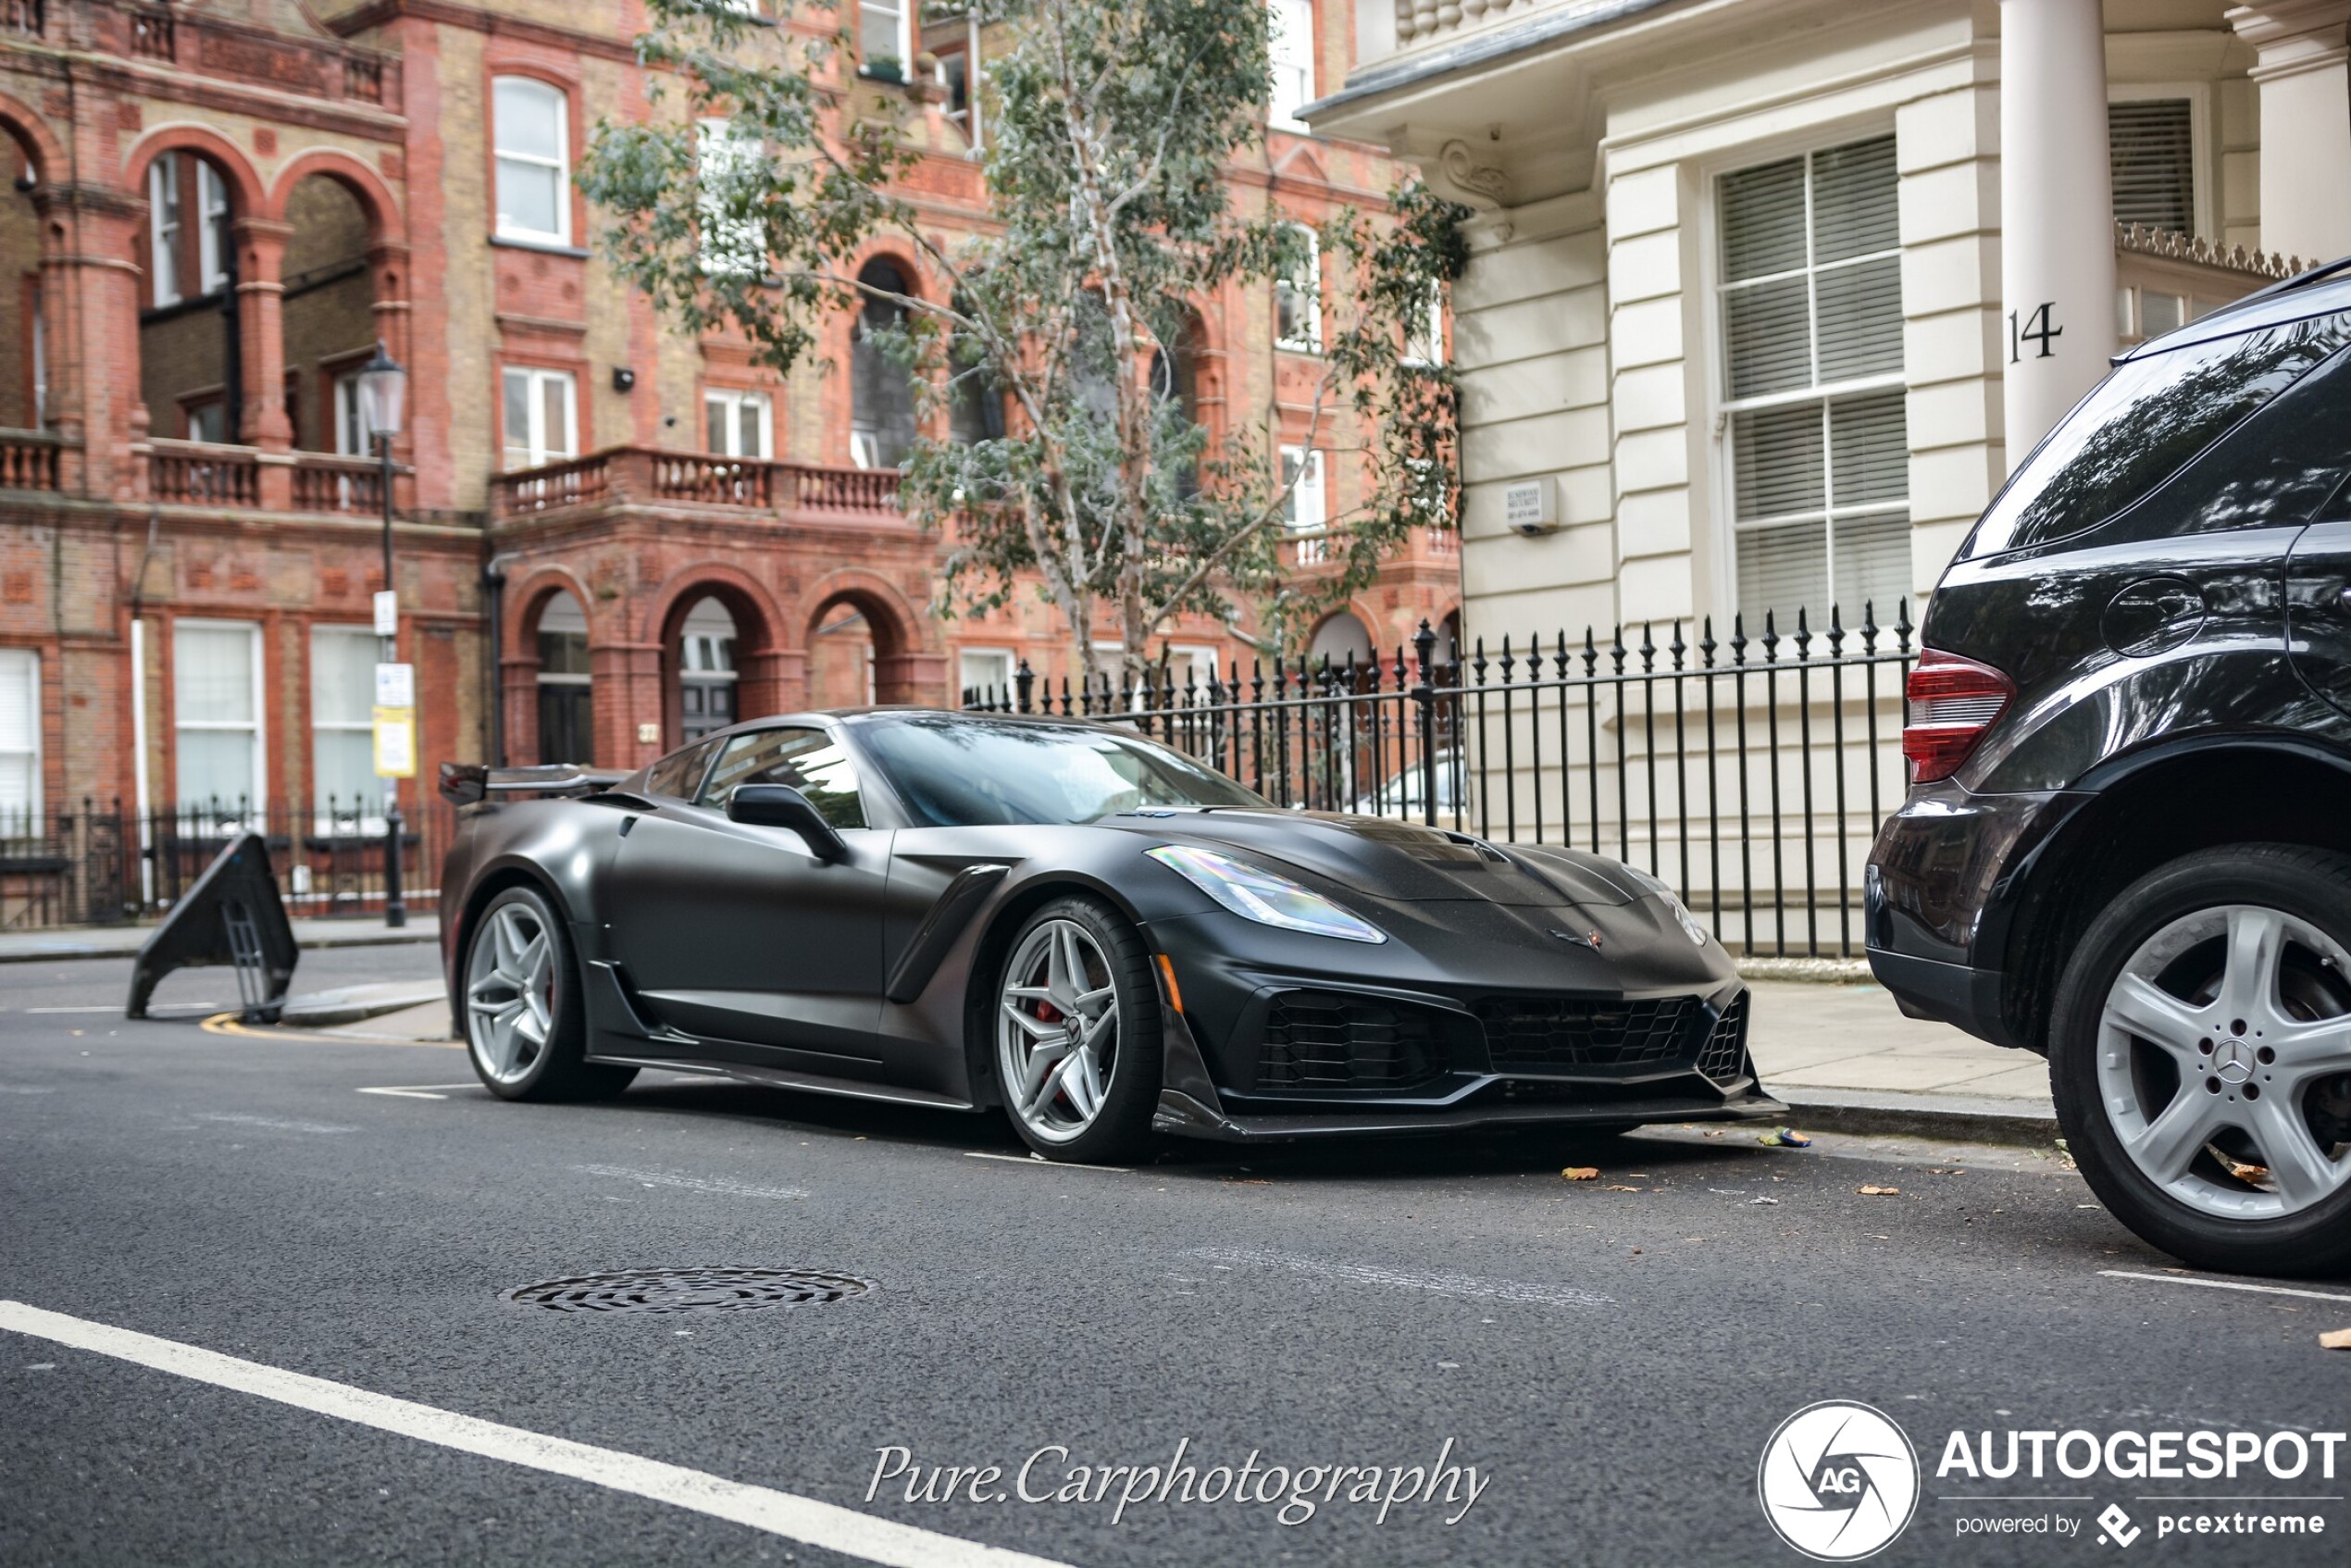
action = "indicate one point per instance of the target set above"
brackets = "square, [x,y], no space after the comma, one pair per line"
[690,1290]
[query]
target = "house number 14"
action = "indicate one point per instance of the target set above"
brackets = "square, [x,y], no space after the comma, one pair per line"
[2037,329]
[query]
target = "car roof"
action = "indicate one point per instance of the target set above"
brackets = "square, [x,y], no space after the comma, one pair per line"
[869,713]
[2321,291]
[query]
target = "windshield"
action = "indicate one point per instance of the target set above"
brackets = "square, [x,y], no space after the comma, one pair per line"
[2142,424]
[955,771]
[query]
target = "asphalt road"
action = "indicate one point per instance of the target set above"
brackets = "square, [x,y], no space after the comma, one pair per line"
[1612,1355]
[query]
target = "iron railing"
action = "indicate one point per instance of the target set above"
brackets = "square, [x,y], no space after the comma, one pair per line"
[105,864]
[1749,774]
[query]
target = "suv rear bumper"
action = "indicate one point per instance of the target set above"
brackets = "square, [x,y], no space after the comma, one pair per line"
[1949,993]
[1943,882]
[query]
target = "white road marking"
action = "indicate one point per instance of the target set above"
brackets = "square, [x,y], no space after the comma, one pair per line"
[1411,1279]
[418,1091]
[720,1185]
[805,1520]
[238,1119]
[1040,1160]
[2225,1285]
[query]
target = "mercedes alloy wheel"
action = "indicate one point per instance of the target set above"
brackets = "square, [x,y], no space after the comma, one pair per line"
[2203,1058]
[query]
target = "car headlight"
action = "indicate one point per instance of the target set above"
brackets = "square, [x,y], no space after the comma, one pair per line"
[1254,893]
[1688,922]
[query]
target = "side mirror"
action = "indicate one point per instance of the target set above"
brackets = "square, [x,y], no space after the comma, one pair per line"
[780,805]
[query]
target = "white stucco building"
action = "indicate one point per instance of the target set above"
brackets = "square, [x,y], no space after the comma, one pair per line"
[1770,293]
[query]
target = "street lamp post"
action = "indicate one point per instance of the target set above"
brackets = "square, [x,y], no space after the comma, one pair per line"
[383,388]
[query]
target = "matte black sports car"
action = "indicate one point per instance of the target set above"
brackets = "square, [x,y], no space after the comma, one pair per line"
[1094,931]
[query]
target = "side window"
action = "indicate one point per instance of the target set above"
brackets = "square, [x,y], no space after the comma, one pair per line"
[808,760]
[2143,424]
[2274,471]
[677,773]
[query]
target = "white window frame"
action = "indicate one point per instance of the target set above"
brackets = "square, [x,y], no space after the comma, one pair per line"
[2204,157]
[164,218]
[736,400]
[969,117]
[1710,241]
[536,447]
[730,247]
[23,665]
[903,12]
[1291,60]
[1306,505]
[180,723]
[560,164]
[1000,658]
[1311,284]
[212,229]
[1427,346]
[367,821]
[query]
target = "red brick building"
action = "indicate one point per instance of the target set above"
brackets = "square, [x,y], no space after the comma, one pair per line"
[609,535]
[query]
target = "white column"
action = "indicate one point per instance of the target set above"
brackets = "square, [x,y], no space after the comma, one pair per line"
[2057,214]
[2305,75]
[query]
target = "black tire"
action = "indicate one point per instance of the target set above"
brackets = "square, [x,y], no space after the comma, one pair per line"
[552,1069]
[2309,885]
[1121,1128]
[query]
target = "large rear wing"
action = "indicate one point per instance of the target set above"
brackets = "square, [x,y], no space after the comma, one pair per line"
[462,783]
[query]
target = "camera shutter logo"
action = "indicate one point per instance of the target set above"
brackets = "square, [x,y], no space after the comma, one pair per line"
[1838,1481]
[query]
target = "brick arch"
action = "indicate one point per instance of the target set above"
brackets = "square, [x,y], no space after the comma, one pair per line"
[518,658]
[365,184]
[908,666]
[763,665]
[247,197]
[31,134]
[840,335]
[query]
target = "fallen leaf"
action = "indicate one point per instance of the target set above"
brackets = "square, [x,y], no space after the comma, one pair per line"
[1754,1200]
[2249,1175]
[1581,1172]
[1619,1187]
[1871,1189]
[1945,1170]
[2335,1339]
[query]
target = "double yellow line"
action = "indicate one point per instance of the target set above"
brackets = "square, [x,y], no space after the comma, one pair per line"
[229,1024]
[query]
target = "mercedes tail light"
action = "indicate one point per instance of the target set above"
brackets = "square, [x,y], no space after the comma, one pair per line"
[1952,702]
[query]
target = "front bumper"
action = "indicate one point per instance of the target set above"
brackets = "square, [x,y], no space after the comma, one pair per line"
[1397,1040]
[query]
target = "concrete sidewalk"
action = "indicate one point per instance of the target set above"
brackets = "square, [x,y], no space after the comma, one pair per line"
[1841,1056]
[120,942]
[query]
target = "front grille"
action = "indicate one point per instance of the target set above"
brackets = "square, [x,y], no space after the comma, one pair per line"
[1328,1039]
[1725,1053]
[1572,1034]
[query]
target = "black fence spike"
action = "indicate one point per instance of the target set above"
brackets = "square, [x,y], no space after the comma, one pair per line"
[1869,626]
[1771,638]
[1836,632]
[1649,649]
[1706,643]
[1677,647]
[1617,650]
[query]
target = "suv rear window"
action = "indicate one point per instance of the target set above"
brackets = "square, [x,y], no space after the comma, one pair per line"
[2142,424]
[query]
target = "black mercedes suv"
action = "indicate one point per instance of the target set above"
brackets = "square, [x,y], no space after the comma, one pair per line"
[2127,843]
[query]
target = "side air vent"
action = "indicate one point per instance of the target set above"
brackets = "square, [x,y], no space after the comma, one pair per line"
[1330,1039]
[1724,1056]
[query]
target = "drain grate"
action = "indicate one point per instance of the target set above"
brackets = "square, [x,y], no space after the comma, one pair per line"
[690,1290]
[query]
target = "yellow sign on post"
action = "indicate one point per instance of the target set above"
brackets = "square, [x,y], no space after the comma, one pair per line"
[395,743]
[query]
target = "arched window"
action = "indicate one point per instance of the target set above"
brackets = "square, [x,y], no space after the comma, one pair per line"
[531,125]
[567,690]
[190,374]
[706,670]
[1339,639]
[1297,295]
[882,390]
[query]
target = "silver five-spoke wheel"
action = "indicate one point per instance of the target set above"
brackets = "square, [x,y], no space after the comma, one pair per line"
[510,992]
[1057,1030]
[2211,1038]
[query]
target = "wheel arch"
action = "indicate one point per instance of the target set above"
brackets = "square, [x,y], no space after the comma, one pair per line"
[494,880]
[994,946]
[2144,810]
